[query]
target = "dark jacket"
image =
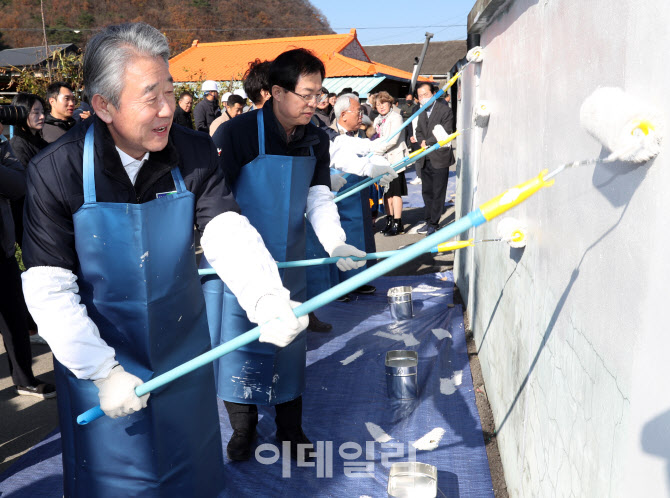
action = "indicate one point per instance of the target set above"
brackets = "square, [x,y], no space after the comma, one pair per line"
[440,114]
[204,113]
[56,128]
[183,118]
[26,145]
[55,191]
[237,141]
[12,188]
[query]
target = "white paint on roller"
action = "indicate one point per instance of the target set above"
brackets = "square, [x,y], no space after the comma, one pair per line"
[513,232]
[441,333]
[481,114]
[408,339]
[440,133]
[628,127]
[449,385]
[351,358]
[377,433]
[430,441]
[475,54]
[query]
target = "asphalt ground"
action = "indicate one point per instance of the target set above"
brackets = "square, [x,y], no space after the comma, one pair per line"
[25,420]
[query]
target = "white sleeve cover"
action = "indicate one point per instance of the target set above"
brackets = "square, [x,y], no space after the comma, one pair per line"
[348,154]
[325,219]
[53,300]
[236,251]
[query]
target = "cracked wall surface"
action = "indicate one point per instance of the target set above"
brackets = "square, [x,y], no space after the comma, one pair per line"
[571,330]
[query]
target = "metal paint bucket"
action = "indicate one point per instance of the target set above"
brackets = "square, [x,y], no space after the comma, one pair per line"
[400,302]
[412,480]
[401,380]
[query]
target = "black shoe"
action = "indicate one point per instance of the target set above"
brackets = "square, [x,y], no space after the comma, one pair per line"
[316,325]
[423,229]
[42,390]
[343,299]
[239,446]
[389,224]
[396,229]
[366,289]
[431,230]
[297,437]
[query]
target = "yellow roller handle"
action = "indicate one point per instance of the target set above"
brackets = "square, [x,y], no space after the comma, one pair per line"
[455,245]
[514,196]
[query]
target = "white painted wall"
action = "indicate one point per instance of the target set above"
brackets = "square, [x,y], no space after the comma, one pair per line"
[572,331]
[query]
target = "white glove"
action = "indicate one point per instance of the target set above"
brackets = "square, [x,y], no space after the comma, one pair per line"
[337,182]
[279,325]
[117,393]
[378,165]
[346,264]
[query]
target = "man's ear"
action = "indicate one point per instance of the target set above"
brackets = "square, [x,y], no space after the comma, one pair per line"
[277,93]
[102,108]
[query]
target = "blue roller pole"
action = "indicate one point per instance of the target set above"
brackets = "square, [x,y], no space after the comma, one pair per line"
[473,219]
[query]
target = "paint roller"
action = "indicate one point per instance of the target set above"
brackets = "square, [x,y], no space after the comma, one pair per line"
[486,212]
[442,139]
[645,124]
[481,114]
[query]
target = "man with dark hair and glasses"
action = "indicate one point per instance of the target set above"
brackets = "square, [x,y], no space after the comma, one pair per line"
[277,164]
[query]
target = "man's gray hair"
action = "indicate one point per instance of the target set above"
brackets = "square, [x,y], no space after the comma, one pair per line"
[343,103]
[108,53]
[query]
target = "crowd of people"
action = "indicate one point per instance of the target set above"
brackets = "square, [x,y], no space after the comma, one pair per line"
[115,292]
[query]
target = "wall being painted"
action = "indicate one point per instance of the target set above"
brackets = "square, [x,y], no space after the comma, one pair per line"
[571,331]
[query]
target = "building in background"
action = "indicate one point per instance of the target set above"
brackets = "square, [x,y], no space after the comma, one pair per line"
[347,63]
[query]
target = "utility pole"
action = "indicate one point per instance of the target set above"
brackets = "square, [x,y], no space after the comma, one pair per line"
[417,69]
[46,45]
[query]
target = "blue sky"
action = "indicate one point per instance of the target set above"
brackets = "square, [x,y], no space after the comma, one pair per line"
[392,21]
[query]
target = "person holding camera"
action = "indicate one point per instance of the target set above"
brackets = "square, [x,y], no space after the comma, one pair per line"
[12,309]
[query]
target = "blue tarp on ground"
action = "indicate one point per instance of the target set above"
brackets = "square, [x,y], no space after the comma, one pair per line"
[413,198]
[346,407]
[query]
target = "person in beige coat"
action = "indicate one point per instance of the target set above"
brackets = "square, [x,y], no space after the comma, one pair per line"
[394,150]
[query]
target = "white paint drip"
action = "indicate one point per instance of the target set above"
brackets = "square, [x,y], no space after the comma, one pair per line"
[426,288]
[180,318]
[351,358]
[409,339]
[247,392]
[430,441]
[144,256]
[377,433]
[441,333]
[448,386]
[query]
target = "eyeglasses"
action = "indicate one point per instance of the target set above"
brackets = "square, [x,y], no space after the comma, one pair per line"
[317,97]
[360,113]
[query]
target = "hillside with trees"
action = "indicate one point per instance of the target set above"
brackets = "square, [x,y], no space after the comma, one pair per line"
[182,21]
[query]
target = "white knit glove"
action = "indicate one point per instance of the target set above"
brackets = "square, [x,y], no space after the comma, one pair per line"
[379,165]
[278,322]
[346,264]
[337,182]
[117,393]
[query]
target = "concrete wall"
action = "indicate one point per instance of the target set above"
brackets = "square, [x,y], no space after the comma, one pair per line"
[572,330]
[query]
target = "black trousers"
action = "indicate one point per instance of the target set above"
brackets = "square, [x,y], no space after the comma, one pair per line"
[15,335]
[434,191]
[245,417]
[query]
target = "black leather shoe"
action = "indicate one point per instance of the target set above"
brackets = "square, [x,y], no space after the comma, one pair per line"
[239,446]
[343,299]
[316,325]
[297,437]
[389,224]
[431,230]
[396,229]
[423,229]
[43,390]
[366,289]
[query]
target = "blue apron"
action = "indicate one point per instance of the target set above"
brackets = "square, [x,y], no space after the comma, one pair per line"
[137,277]
[272,193]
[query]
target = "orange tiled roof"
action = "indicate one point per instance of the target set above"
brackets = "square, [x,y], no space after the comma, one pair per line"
[224,61]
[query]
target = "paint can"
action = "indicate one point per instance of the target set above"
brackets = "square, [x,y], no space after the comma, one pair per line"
[400,302]
[401,379]
[412,479]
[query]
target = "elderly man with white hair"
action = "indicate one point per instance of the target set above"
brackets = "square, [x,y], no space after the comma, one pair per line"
[112,279]
[349,151]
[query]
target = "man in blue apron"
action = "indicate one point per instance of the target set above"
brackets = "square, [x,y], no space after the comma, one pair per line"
[112,280]
[349,150]
[277,164]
